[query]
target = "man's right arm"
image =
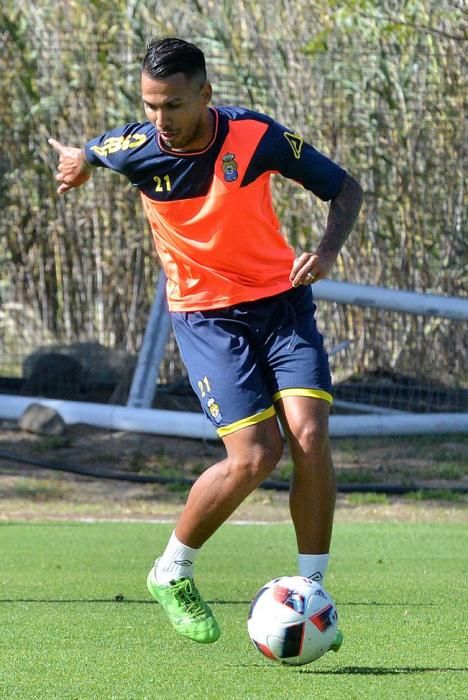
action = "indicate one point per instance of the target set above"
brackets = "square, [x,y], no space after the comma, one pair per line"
[122,149]
[73,168]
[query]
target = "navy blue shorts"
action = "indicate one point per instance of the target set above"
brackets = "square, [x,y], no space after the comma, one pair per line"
[241,359]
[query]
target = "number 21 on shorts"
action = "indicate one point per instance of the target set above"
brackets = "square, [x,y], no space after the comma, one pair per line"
[204,386]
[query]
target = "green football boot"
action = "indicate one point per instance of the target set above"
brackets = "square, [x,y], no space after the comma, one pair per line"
[185,608]
[337,642]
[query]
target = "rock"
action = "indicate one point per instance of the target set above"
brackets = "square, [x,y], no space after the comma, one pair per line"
[53,375]
[42,420]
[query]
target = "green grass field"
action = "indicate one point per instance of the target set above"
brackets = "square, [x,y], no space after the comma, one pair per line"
[76,621]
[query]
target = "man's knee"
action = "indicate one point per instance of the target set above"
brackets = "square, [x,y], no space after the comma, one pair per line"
[259,460]
[311,438]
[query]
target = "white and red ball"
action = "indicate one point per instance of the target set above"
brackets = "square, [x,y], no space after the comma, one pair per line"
[292,620]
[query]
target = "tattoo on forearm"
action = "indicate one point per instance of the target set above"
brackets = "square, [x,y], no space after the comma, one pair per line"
[342,215]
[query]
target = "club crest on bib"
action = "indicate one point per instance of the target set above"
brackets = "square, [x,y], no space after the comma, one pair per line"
[230,167]
[215,412]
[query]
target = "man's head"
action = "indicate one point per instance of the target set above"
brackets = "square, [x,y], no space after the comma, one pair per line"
[165,57]
[176,93]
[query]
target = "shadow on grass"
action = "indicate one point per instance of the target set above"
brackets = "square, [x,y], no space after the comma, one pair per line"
[117,599]
[120,598]
[359,670]
[381,671]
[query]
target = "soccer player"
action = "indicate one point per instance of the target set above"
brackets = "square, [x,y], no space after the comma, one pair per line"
[240,300]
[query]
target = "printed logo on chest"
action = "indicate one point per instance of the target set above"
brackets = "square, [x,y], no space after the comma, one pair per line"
[230,167]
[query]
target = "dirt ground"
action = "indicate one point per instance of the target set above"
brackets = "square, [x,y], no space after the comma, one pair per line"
[33,493]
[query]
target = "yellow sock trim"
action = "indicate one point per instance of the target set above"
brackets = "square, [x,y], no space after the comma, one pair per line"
[244,422]
[313,393]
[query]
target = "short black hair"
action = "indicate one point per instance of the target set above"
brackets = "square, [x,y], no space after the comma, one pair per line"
[164,57]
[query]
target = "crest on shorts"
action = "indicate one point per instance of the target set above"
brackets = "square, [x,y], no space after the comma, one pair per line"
[215,411]
[229,167]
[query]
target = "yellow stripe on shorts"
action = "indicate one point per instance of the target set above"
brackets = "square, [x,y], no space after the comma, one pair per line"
[313,393]
[244,422]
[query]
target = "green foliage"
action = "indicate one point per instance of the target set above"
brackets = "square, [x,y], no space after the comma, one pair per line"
[364,499]
[40,489]
[438,495]
[355,476]
[376,85]
[51,442]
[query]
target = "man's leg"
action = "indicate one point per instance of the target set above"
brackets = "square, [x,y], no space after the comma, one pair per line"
[313,486]
[252,453]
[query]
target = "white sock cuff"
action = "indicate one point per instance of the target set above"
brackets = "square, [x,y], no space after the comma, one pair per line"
[175,544]
[176,562]
[313,566]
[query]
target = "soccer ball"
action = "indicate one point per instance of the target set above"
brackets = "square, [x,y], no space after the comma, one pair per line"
[292,620]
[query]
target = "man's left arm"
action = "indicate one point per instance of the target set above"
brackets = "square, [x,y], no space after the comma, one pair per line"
[342,215]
